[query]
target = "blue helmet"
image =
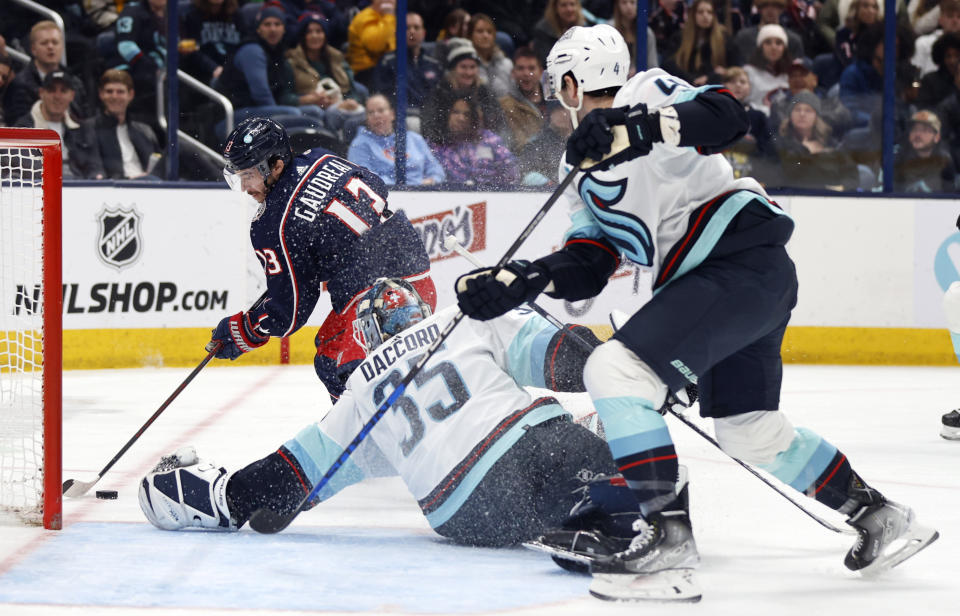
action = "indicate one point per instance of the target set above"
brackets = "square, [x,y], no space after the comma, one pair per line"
[255,143]
[389,307]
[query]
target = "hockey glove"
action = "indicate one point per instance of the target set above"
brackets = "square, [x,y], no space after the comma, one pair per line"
[483,295]
[237,335]
[594,138]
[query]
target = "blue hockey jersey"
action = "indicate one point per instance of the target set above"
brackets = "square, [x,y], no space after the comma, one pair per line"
[326,221]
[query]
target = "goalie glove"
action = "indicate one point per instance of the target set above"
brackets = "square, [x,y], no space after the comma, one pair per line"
[489,292]
[237,336]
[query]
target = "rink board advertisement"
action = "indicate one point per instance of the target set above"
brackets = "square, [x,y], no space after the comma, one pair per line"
[159,267]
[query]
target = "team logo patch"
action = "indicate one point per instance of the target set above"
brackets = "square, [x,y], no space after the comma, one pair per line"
[627,231]
[119,242]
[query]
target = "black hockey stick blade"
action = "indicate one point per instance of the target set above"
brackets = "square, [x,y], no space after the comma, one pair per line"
[268,522]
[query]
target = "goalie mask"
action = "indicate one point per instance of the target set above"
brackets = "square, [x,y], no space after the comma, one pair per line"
[389,307]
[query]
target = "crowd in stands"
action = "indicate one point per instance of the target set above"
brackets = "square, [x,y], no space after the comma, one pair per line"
[808,73]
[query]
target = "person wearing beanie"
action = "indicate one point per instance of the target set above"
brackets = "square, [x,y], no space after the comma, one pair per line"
[258,79]
[800,77]
[321,75]
[808,151]
[770,12]
[768,65]
[461,81]
[372,33]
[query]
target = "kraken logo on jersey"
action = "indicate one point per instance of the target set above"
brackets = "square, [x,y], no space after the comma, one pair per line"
[628,232]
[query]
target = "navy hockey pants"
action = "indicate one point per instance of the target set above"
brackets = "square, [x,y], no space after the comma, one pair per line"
[722,323]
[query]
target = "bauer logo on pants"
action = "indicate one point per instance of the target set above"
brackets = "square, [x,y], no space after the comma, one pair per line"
[119,242]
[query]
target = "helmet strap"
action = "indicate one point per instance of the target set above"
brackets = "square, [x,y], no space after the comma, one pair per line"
[573,110]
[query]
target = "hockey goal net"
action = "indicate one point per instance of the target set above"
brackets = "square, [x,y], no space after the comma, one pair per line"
[30,325]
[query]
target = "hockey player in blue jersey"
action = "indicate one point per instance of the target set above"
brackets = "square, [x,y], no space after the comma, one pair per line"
[724,288]
[488,463]
[322,219]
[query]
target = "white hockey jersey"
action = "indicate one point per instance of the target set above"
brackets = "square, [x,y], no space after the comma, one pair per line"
[463,411]
[643,205]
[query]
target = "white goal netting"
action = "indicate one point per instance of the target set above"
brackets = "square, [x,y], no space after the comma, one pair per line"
[21,332]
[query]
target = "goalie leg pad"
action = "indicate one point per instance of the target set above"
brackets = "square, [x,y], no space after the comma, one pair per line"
[173,497]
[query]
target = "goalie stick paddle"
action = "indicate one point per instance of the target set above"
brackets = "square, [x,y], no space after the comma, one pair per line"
[74,488]
[451,243]
[268,521]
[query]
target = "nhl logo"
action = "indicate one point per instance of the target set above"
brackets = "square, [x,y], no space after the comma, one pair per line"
[119,242]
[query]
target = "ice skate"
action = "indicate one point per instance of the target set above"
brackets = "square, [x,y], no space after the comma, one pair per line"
[888,534]
[657,566]
[590,533]
[950,428]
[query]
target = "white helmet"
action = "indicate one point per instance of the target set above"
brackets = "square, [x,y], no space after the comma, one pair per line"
[597,56]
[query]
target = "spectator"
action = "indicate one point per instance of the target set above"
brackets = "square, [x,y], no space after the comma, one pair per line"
[704,49]
[471,154]
[800,77]
[949,24]
[538,157]
[492,66]
[142,49]
[937,86]
[808,151]
[666,19]
[321,75]
[558,17]
[460,81]
[46,51]
[455,26]
[924,15]
[524,105]
[923,164]
[6,77]
[103,13]
[374,147]
[767,66]
[770,12]
[754,155]
[52,110]
[423,71]
[800,17]
[333,12]
[258,80]
[211,33]
[861,83]
[372,33]
[625,21]
[123,149]
[862,15]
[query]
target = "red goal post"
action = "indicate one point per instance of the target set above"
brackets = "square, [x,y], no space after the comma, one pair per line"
[31,172]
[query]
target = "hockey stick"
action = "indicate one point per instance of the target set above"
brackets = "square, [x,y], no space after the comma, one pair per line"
[74,488]
[451,243]
[268,521]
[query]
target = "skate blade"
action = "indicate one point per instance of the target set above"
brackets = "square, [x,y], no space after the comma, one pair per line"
[950,433]
[916,538]
[556,552]
[669,585]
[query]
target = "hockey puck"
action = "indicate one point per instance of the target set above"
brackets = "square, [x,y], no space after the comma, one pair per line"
[107,494]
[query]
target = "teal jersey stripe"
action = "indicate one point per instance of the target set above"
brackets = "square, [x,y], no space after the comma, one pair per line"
[479,470]
[804,461]
[626,416]
[715,228]
[643,441]
[685,95]
[583,224]
[528,350]
[315,451]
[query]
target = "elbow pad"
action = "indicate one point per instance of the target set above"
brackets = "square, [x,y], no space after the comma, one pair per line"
[581,268]
[712,122]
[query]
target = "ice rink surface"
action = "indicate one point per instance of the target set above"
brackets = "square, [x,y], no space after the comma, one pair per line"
[369,551]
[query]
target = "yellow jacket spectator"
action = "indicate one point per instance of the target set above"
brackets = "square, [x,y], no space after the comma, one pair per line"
[372,33]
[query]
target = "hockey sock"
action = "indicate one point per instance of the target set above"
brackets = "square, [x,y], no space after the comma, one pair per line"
[642,449]
[275,482]
[815,467]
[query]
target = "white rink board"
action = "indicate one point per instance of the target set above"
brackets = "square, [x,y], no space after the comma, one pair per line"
[864,262]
